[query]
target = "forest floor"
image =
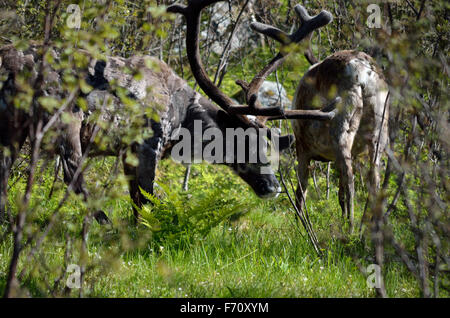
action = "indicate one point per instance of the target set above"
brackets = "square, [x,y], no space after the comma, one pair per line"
[260,251]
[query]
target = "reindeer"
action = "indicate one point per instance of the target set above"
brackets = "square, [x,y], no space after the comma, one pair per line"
[160,90]
[361,122]
[179,107]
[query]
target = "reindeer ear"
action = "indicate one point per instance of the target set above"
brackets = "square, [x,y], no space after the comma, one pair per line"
[284,142]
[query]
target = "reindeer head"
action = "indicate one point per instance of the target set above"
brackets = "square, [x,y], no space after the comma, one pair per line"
[258,174]
[247,153]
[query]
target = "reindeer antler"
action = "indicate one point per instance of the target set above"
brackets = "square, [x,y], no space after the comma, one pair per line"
[324,17]
[192,14]
[309,54]
[308,25]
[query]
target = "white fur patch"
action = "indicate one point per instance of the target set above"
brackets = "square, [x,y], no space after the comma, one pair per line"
[361,72]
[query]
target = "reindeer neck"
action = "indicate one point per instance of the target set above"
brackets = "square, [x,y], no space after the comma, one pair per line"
[196,108]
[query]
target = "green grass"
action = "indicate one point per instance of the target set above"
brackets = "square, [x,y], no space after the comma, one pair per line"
[258,253]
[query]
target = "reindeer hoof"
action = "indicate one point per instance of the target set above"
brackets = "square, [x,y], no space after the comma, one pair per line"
[101,218]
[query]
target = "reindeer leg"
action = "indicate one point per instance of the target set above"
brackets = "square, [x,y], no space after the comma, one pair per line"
[303,175]
[377,143]
[6,162]
[131,173]
[342,193]
[376,148]
[344,135]
[302,189]
[70,163]
[346,186]
[374,173]
[71,153]
[149,154]
[8,156]
[143,176]
[146,170]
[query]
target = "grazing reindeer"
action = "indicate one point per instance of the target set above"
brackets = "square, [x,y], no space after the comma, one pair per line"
[161,91]
[179,107]
[349,79]
[361,121]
